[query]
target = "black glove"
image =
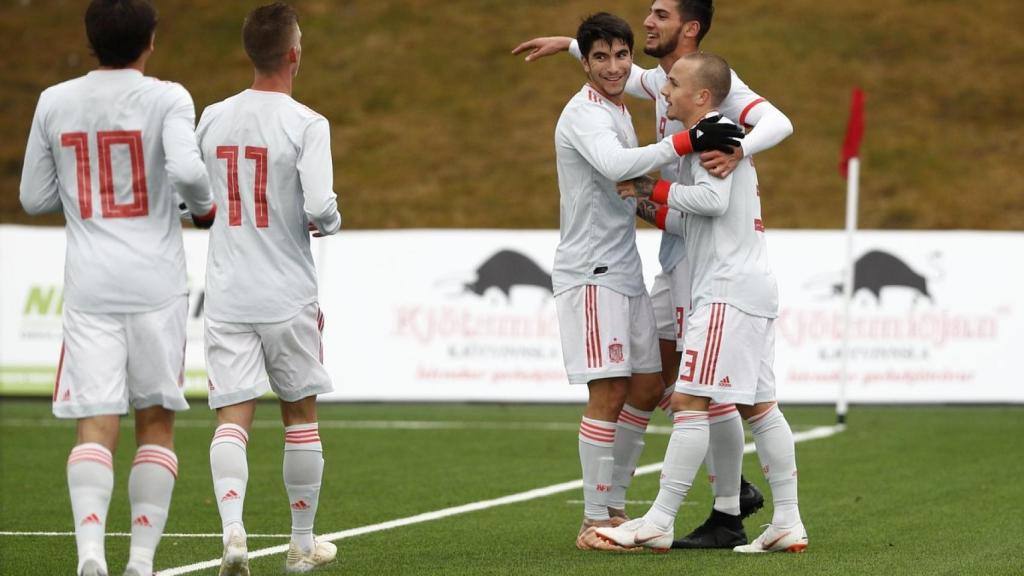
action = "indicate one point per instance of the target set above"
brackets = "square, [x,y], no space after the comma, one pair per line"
[710,134]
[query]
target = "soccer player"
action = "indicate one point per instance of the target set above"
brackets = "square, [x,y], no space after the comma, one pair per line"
[604,313]
[675,28]
[730,344]
[106,149]
[269,161]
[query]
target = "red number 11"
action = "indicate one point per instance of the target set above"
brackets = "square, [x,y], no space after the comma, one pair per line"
[259,156]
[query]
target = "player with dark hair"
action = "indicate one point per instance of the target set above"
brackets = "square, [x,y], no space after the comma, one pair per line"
[675,28]
[730,343]
[604,313]
[106,149]
[269,161]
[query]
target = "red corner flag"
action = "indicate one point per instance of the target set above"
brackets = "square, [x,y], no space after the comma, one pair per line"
[854,130]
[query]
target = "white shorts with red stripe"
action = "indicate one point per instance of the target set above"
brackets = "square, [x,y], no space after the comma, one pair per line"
[670,297]
[606,334]
[109,362]
[245,361]
[728,356]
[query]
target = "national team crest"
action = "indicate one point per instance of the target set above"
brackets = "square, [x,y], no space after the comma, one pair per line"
[615,352]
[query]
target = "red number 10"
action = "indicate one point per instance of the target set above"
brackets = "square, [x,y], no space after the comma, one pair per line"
[258,155]
[105,140]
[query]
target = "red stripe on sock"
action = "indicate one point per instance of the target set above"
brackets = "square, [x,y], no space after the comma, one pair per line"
[631,418]
[157,457]
[681,418]
[78,459]
[719,409]
[231,434]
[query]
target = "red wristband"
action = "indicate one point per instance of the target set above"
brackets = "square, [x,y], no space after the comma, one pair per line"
[660,192]
[660,216]
[681,142]
[205,219]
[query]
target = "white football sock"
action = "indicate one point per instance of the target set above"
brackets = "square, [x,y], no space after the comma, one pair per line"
[725,456]
[90,473]
[230,470]
[150,486]
[596,439]
[303,472]
[629,444]
[777,452]
[685,452]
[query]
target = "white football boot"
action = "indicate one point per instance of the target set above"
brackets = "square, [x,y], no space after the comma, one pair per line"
[93,567]
[235,561]
[298,561]
[777,540]
[638,532]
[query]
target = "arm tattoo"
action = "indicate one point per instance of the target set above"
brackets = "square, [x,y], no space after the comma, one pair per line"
[647,210]
[644,187]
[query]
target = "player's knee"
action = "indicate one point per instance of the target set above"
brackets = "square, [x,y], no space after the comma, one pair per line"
[686,402]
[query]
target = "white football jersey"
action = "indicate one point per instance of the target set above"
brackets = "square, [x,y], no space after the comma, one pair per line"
[110,148]
[595,148]
[723,235]
[269,161]
[648,84]
[737,106]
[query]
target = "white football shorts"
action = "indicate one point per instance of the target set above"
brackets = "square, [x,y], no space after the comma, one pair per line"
[245,361]
[109,362]
[728,356]
[670,297]
[606,334]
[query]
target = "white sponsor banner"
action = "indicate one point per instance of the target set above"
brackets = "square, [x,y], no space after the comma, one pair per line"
[467,315]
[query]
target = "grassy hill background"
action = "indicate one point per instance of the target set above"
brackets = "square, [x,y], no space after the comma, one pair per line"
[435,124]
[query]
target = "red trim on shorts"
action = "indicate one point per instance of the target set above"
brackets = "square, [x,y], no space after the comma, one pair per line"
[320,330]
[712,343]
[712,358]
[594,357]
[60,370]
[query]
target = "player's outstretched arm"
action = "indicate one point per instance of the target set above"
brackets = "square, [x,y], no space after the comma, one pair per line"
[768,127]
[185,168]
[316,174]
[538,48]
[39,193]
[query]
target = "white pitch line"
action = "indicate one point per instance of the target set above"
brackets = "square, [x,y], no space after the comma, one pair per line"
[349,425]
[128,534]
[813,434]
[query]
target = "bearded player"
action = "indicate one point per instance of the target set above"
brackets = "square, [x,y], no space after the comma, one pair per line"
[675,28]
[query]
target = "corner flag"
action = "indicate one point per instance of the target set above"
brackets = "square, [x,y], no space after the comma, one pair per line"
[854,131]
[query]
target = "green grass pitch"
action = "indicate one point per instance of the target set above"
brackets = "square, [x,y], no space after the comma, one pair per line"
[902,491]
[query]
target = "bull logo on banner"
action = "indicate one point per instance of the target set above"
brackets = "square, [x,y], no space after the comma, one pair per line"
[876,270]
[507,269]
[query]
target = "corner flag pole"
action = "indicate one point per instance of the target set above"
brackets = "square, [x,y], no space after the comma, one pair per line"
[849,167]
